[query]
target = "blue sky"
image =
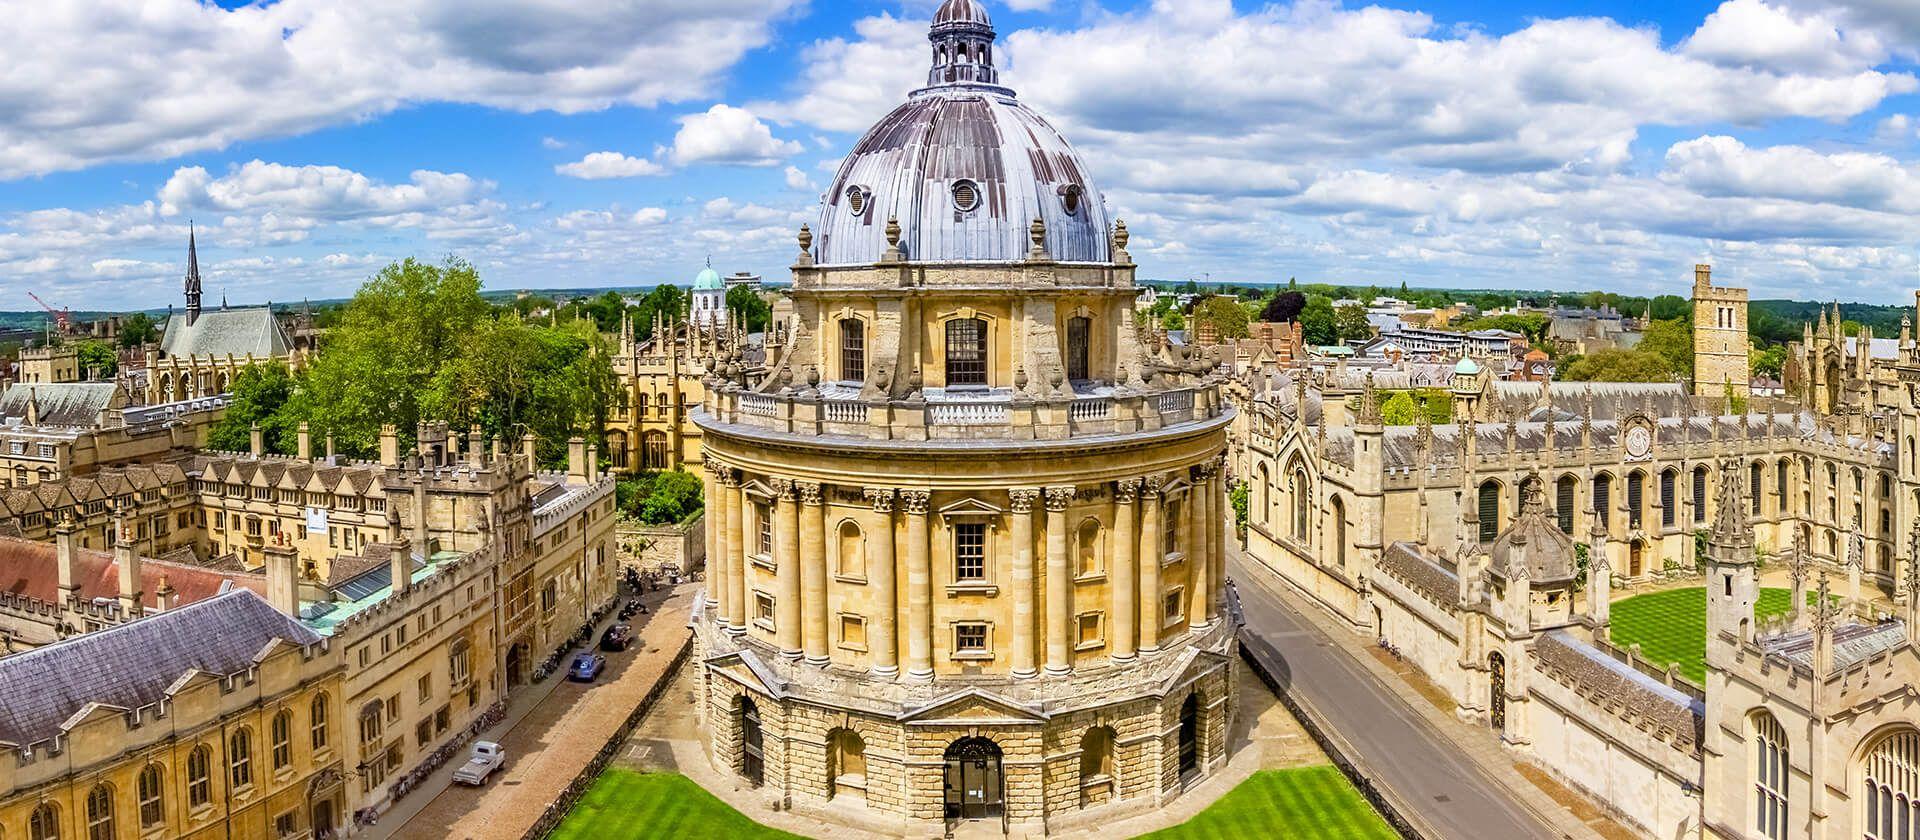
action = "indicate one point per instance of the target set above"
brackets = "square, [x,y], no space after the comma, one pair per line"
[1565,145]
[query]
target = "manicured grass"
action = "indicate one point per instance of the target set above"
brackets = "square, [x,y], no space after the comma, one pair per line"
[624,803]
[1671,626]
[1307,803]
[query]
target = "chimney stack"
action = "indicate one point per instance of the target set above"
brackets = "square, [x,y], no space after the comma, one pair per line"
[283,586]
[477,446]
[530,451]
[306,441]
[132,596]
[329,447]
[256,440]
[389,445]
[576,459]
[593,462]
[63,555]
[420,538]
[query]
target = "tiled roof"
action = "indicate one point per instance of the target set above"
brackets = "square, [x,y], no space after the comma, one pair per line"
[61,404]
[1408,564]
[135,664]
[220,332]
[32,568]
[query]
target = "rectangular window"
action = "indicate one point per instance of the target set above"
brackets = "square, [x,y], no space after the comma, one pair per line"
[966,351]
[1090,635]
[1174,606]
[970,551]
[763,522]
[853,632]
[1078,330]
[853,350]
[426,687]
[286,825]
[970,638]
[763,609]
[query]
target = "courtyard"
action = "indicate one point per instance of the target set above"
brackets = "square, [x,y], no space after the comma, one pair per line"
[1671,626]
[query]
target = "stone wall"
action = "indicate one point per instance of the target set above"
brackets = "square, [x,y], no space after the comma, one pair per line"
[651,547]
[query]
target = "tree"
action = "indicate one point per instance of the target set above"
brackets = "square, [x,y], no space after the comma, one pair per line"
[747,309]
[1350,323]
[97,359]
[260,394]
[676,495]
[1671,308]
[511,376]
[667,301]
[1317,321]
[1671,341]
[1173,320]
[138,329]
[1284,308]
[1768,361]
[1400,409]
[1619,366]
[1228,319]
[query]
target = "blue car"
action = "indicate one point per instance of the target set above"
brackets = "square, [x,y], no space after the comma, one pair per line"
[586,667]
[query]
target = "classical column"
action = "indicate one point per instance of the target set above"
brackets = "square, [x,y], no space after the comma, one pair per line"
[734,548]
[883,640]
[1217,535]
[1123,609]
[1023,621]
[1200,551]
[786,552]
[715,527]
[813,573]
[919,588]
[1152,552]
[1059,583]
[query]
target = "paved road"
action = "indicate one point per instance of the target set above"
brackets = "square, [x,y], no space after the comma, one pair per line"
[1400,750]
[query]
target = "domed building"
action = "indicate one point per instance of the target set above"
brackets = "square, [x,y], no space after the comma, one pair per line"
[707,308]
[965,543]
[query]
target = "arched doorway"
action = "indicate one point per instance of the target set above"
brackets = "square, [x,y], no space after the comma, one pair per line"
[323,819]
[752,745]
[974,788]
[1635,552]
[1190,735]
[517,663]
[1497,704]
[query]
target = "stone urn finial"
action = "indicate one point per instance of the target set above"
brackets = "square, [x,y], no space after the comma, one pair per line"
[1120,235]
[1020,378]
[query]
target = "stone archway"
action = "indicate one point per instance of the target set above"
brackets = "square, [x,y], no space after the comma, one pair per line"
[1190,735]
[973,784]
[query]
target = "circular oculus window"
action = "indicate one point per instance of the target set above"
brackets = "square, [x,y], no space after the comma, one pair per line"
[966,196]
[858,200]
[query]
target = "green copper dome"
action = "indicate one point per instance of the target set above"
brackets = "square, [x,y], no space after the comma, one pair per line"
[707,279]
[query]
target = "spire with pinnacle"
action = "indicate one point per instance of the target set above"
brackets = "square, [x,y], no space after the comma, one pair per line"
[1732,539]
[193,277]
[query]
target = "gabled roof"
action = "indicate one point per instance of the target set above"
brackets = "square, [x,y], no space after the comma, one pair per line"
[222,332]
[32,568]
[135,664]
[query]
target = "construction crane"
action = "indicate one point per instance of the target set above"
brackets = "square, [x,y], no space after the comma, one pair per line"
[62,318]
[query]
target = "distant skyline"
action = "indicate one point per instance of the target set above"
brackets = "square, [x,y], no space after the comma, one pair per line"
[1590,144]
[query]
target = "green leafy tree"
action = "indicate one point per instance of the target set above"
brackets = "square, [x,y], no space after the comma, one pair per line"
[748,309]
[1671,308]
[675,496]
[667,301]
[1619,366]
[1671,341]
[1400,409]
[97,359]
[1350,323]
[1317,321]
[1173,320]
[510,376]
[1228,318]
[138,329]
[260,394]
[1768,361]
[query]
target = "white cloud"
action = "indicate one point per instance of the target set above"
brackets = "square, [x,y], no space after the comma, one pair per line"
[1723,166]
[1755,33]
[797,179]
[151,79]
[316,191]
[729,135]
[553,143]
[604,165]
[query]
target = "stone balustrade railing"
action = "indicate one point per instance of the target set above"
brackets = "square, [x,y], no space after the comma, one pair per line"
[998,416]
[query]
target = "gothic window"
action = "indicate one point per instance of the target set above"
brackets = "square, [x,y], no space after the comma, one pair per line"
[966,351]
[151,788]
[1754,483]
[970,551]
[1892,778]
[100,813]
[1489,511]
[317,723]
[853,350]
[240,758]
[44,824]
[1262,493]
[1563,491]
[1339,510]
[1301,502]
[281,734]
[1770,771]
[653,454]
[1699,494]
[199,776]
[1079,331]
[1603,498]
[1667,500]
[1636,496]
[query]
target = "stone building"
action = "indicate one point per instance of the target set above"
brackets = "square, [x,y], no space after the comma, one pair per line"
[1719,337]
[54,432]
[202,351]
[707,303]
[965,562]
[48,365]
[661,378]
[1452,543]
[216,720]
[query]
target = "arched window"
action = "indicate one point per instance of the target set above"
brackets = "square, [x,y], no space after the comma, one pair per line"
[617,449]
[44,823]
[1770,773]
[1339,511]
[1892,778]
[1780,486]
[1086,545]
[1603,498]
[240,758]
[1668,501]
[281,734]
[1700,494]
[1489,510]
[653,454]
[853,551]
[1079,333]
[317,723]
[152,792]
[1301,504]
[1636,498]
[846,762]
[100,813]
[200,776]
[853,350]
[1563,502]
[1096,766]
[1262,493]
[966,351]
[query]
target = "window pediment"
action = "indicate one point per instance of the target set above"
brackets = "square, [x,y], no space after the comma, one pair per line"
[972,509]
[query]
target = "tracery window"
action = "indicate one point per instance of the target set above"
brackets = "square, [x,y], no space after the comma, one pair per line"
[1892,779]
[1770,770]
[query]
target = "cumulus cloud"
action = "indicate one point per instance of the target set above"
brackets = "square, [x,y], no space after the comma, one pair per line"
[604,165]
[729,135]
[1755,33]
[1726,167]
[151,79]
[328,192]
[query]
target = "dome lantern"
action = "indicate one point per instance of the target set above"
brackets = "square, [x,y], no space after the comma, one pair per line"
[962,39]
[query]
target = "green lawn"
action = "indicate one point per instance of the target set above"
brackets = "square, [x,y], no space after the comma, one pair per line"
[1309,803]
[624,803]
[1671,626]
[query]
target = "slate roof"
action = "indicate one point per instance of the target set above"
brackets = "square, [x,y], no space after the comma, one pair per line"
[61,404]
[1661,710]
[1851,643]
[1407,563]
[216,333]
[136,664]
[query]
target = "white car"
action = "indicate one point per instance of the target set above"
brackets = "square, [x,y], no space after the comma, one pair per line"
[487,757]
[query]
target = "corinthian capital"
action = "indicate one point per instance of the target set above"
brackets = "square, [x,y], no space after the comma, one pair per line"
[915,501]
[809,492]
[1126,490]
[1021,499]
[782,488]
[880,497]
[1058,498]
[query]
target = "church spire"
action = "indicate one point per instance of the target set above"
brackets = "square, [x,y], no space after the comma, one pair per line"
[193,277]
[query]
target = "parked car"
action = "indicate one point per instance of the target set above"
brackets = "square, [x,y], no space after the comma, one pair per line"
[586,667]
[486,757]
[617,637]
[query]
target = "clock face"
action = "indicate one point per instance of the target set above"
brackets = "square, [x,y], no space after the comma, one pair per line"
[1639,441]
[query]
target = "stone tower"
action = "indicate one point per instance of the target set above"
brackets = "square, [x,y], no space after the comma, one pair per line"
[1732,587]
[1719,337]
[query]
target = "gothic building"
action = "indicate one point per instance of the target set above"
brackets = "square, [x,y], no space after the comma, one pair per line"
[202,351]
[966,545]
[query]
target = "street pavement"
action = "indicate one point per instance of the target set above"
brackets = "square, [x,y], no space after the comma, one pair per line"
[1423,770]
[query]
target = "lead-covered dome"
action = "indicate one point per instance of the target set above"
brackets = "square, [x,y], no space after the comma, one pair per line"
[964,167]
